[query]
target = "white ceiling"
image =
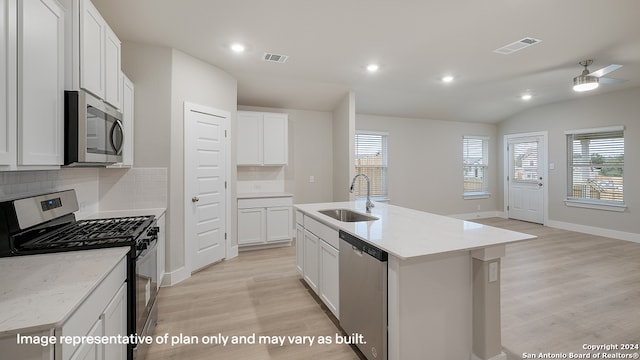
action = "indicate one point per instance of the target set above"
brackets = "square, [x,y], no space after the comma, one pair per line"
[330,42]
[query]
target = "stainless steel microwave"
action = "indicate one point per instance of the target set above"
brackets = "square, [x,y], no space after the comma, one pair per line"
[93,131]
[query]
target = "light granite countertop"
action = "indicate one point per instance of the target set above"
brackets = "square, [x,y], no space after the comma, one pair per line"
[406,233]
[39,292]
[263,195]
[157,212]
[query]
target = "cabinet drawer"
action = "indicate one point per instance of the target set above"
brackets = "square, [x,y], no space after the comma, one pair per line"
[321,230]
[264,202]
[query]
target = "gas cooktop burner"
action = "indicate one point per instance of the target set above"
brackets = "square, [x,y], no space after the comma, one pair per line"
[99,232]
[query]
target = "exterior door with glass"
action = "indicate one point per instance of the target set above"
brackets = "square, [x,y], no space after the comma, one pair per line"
[526,178]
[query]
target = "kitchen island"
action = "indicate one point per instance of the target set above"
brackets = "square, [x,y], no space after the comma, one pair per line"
[443,279]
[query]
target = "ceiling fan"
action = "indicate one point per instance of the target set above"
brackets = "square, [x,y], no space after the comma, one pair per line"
[590,80]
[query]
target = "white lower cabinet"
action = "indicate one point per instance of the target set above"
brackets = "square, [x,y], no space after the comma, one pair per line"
[264,221]
[92,351]
[311,268]
[104,312]
[299,248]
[317,259]
[9,349]
[329,279]
[114,321]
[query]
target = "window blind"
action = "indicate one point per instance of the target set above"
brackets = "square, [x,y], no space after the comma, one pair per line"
[371,160]
[596,166]
[475,164]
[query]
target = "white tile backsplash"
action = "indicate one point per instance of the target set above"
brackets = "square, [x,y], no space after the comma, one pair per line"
[137,188]
[26,183]
[256,179]
[97,189]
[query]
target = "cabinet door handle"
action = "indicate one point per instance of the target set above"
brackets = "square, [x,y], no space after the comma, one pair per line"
[195,199]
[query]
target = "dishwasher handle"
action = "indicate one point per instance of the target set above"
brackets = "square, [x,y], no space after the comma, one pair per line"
[363,246]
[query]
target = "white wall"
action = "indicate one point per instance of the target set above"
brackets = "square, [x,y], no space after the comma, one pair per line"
[310,154]
[344,120]
[149,68]
[425,163]
[589,111]
[164,79]
[201,83]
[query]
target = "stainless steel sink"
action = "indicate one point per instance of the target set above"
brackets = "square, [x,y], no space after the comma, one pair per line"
[346,215]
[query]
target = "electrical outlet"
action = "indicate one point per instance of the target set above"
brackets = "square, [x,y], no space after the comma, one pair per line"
[312,179]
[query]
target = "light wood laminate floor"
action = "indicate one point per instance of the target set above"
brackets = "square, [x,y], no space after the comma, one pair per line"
[560,291]
[258,292]
[566,289]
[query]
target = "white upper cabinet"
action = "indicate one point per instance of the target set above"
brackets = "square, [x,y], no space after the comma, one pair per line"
[100,55]
[128,101]
[40,82]
[249,138]
[93,30]
[31,84]
[113,88]
[262,138]
[275,144]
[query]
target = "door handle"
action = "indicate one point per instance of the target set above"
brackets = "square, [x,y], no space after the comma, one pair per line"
[195,199]
[540,184]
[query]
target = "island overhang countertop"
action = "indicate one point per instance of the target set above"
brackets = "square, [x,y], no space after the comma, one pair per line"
[407,233]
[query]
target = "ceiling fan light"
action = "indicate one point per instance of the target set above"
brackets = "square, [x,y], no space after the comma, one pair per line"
[585,83]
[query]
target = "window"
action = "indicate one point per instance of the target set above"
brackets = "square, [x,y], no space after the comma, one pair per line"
[595,166]
[371,160]
[475,161]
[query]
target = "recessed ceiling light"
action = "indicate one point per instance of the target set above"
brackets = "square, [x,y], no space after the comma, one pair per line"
[237,48]
[526,97]
[372,67]
[447,79]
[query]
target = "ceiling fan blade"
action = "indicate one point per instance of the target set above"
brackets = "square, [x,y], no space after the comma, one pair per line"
[606,70]
[604,80]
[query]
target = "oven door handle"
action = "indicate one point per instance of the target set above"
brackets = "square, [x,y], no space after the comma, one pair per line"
[151,247]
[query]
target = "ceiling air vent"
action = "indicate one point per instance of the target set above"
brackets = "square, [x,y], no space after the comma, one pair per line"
[275,58]
[517,46]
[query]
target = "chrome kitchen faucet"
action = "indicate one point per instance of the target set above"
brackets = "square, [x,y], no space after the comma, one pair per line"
[353,183]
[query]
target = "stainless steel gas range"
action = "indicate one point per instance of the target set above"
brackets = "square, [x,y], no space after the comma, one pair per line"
[46,223]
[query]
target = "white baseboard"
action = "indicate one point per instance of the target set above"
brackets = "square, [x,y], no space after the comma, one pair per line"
[478,215]
[176,276]
[233,252]
[592,230]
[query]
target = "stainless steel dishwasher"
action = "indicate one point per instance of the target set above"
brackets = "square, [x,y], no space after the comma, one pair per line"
[363,294]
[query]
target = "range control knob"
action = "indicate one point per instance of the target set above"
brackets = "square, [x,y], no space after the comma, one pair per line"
[153,231]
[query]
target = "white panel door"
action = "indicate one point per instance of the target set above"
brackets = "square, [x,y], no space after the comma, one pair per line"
[205,185]
[40,82]
[526,180]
